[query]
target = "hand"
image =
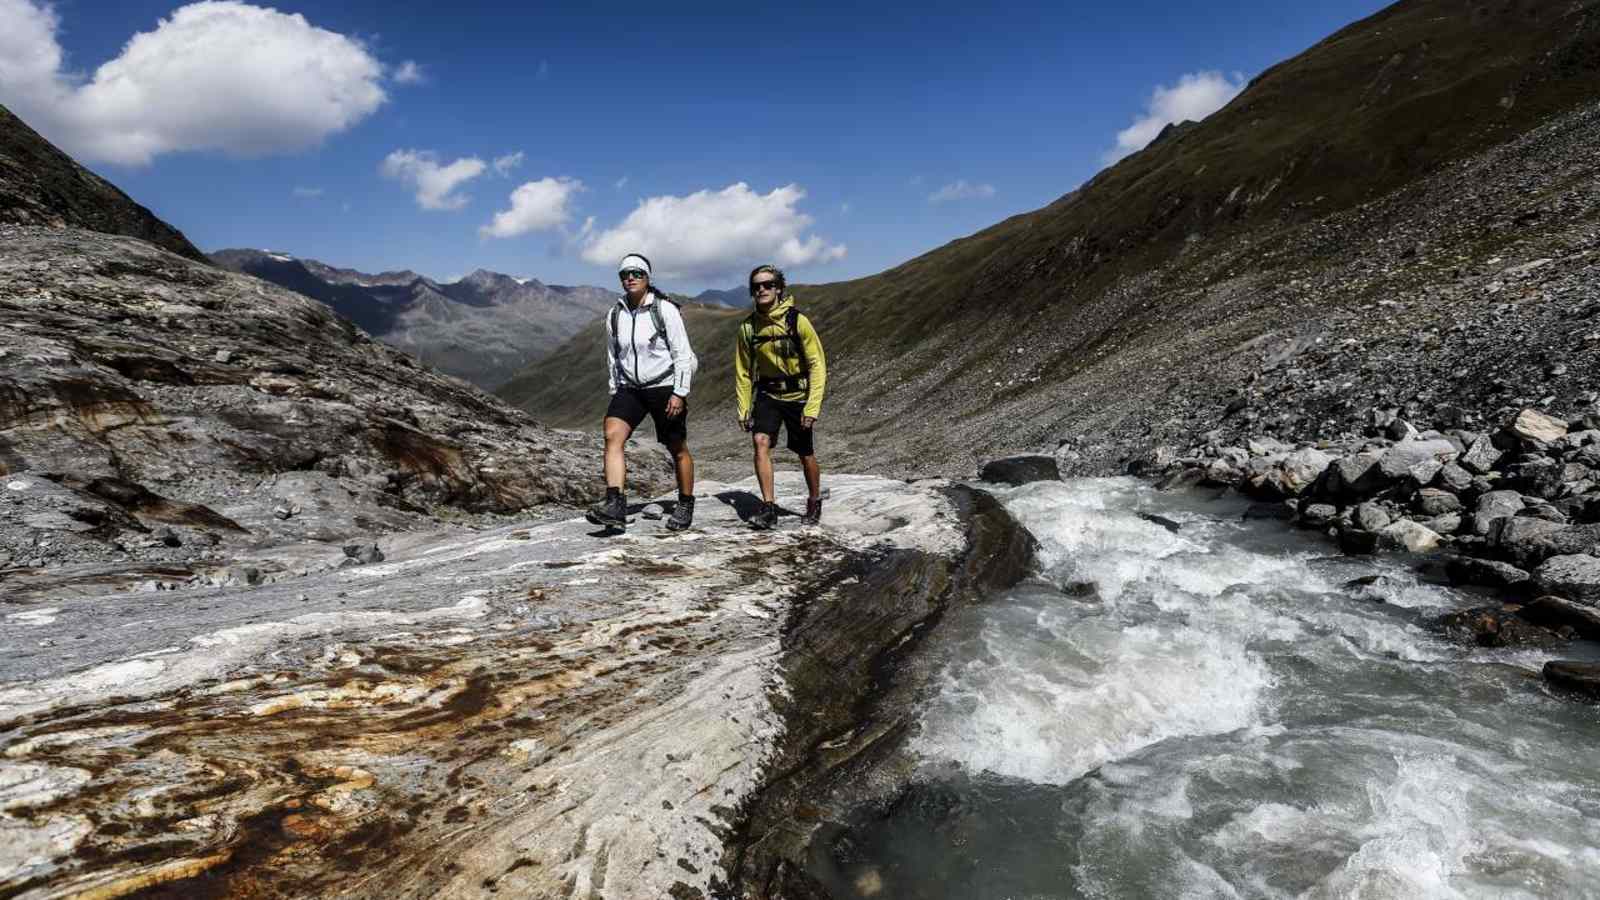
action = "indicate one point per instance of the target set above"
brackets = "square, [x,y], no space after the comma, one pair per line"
[807,421]
[674,406]
[745,424]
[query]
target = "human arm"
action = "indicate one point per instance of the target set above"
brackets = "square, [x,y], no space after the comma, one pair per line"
[684,362]
[611,364]
[741,374]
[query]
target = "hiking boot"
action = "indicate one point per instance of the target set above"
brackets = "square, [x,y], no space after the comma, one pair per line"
[611,512]
[682,514]
[813,514]
[765,518]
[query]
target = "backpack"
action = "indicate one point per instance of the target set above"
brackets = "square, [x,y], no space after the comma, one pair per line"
[660,323]
[794,350]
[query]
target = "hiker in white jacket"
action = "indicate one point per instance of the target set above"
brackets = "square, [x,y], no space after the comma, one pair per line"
[649,365]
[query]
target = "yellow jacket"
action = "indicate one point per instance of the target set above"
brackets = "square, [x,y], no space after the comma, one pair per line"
[775,359]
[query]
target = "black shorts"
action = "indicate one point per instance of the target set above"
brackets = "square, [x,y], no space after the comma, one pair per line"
[771,413]
[631,404]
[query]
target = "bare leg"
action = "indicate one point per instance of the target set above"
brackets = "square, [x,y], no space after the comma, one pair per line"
[617,434]
[813,473]
[683,464]
[763,445]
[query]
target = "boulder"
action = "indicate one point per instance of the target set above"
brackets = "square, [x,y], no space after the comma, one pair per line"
[1572,677]
[1538,477]
[1015,470]
[1521,539]
[364,553]
[1576,577]
[1356,542]
[1449,523]
[1301,469]
[1453,478]
[1423,473]
[1355,475]
[1495,505]
[1554,612]
[1532,425]
[1484,572]
[1318,515]
[1397,461]
[1265,446]
[1481,456]
[1435,502]
[1410,536]
[1371,517]
[1494,626]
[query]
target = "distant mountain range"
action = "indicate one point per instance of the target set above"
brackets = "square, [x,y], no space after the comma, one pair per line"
[481,328]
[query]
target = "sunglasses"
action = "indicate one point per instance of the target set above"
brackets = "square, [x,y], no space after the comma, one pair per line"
[757,287]
[631,274]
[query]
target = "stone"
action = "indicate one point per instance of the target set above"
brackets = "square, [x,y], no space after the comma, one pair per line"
[1283,511]
[1400,430]
[167,537]
[1532,425]
[1453,478]
[1318,515]
[1485,572]
[1520,539]
[282,512]
[364,553]
[1495,505]
[1298,471]
[1410,536]
[1575,577]
[1554,612]
[223,356]
[1423,473]
[1481,456]
[1356,542]
[1435,502]
[1163,521]
[1355,475]
[1265,446]
[1581,679]
[1022,469]
[1447,524]
[1183,479]
[1494,626]
[1538,478]
[652,511]
[1371,517]
[1397,461]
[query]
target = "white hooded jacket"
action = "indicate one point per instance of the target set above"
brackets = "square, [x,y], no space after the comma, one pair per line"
[639,357]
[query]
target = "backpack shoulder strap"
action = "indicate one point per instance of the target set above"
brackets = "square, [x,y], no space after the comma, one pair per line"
[660,321]
[792,319]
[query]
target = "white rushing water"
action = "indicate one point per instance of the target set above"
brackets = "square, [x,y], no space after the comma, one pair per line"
[1214,712]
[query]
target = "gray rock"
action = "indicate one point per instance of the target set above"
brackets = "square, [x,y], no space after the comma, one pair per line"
[1355,475]
[1023,469]
[1581,679]
[1447,524]
[1410,536]
[1371,517]
[1554,612]
[1265,446]
[364,553]
[1318,515]
[1495,505]
[1481,456]
[1532,425]
[1435,502]
[1398,460]
[1400,430]
[652,511]
[1522,539]
[282,512]
[1485,572]
[1493,626]
[1453,478]
[1574,577]
[1423,473]
[223,356]
[1356,542]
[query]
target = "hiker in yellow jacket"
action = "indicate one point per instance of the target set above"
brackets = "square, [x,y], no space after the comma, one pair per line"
[779,374]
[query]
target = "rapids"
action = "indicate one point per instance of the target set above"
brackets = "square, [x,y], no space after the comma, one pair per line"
[1217,711]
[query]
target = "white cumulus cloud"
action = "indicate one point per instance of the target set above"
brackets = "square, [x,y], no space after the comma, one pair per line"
[961,190]
[435,184]
[715,234]
[215,75]
[410,72]
[535,206]
[1195,96]
[504,164]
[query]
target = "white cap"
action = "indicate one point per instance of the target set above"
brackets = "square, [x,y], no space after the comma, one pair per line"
[634,261]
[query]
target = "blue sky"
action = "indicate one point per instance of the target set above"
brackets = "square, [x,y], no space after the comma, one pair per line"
[839,139]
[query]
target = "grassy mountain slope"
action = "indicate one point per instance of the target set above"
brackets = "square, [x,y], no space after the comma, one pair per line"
[1003,328]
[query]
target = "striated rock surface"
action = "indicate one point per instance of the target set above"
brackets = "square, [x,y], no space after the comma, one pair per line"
[531,710]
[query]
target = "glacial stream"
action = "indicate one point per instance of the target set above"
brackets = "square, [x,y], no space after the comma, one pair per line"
[1215,712]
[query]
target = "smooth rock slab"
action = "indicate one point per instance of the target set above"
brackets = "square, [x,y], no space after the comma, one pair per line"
[1554,612]
[1485,572]
[1572,677]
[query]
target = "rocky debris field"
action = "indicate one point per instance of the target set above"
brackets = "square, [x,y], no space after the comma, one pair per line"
[1513,509]
[165,417]
[531,710]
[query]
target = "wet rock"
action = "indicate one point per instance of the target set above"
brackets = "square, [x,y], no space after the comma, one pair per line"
[1495,626]
[1015,470]
[1495,505]
[1182,479]
[1576,577]
[1318,515]
[1521,539]
[1355,475]
[1410,536]
[1555,612]
[1300,470]
[1580,679]
[1484,572]
[1397,461]
[1163,521]
[1532,425]
[1356,542]
[1282,511]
